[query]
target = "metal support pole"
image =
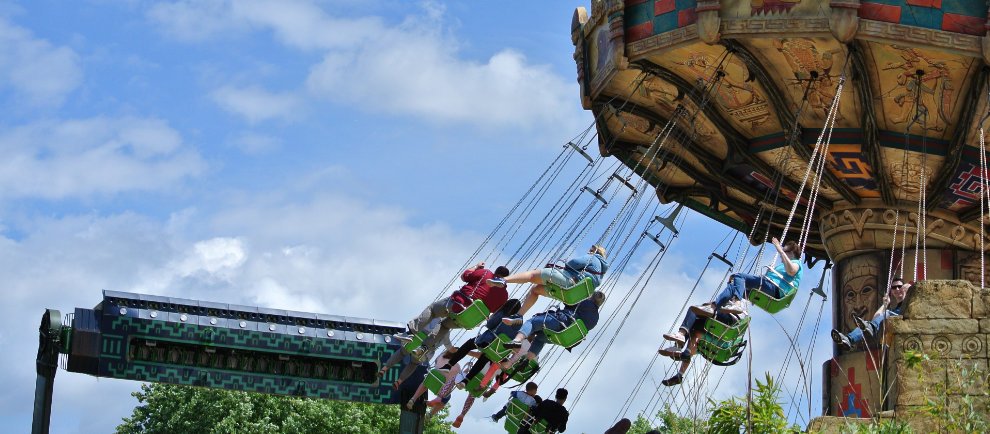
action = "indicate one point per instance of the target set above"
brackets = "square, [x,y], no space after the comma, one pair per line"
[47,365]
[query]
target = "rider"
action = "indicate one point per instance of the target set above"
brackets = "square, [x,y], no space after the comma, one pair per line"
[693,329]
[591,265]
[480,284]
[557,320]
[552,411]
[529,398]
[893,305]
[777,283]
[493,328]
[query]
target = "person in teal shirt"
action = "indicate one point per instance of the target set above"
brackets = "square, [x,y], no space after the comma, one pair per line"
[777,283]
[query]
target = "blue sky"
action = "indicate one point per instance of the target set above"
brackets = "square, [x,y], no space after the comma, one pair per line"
[331,156]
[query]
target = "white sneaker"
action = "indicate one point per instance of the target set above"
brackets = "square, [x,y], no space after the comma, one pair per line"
[734,307]
[677,337]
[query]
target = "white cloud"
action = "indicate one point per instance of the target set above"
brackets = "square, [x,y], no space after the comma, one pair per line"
[411,68]
[256,104]
[60,159]
[253,143]
[38,72]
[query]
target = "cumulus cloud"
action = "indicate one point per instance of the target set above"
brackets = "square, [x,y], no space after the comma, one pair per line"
[414,67]
[40,73]
[101,155]
[256,104]
[253,143]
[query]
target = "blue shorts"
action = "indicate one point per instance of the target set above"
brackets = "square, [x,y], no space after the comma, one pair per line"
[556,276]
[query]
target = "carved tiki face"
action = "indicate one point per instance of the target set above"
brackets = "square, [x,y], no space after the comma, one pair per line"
[859,289]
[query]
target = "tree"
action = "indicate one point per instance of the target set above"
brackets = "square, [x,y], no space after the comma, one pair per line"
[729,416]
[166,408]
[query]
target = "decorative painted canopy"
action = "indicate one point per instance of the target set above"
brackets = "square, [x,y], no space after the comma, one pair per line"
[751,83]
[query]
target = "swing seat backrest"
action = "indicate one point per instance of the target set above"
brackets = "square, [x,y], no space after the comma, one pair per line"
[721,343]
[769,303]
[416,341]
[472,316]
[581,291]
[524,374]
[496,349]
[474,386]
[569,336]
[434,381]
[515,413]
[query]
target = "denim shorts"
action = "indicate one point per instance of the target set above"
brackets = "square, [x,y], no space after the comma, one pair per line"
[556,276]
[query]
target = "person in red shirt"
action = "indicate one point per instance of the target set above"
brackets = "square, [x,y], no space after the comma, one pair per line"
[480,284]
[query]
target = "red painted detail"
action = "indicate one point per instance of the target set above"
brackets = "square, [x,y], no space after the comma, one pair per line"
[686,16]
[919,271]
[963,24]
[639,31]
[947,262]
[663,6]
[878,12]
[834,367]
[854,391]
[937,4]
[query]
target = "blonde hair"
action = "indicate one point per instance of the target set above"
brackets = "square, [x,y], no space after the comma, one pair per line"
[596,249]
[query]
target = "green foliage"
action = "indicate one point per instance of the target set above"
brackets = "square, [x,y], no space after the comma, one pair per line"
[166,408]
[882,427]
[669,422]
[765,415]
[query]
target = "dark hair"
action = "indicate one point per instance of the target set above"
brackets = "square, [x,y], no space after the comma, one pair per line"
[511,307]
[501,271]
[896,279]
[531,386]
[561,393]
[793,248]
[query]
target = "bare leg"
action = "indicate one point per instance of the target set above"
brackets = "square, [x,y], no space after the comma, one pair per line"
[467,406]
[534,294]
[531,276]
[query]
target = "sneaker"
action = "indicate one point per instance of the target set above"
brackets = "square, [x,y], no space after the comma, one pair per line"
[672,352]
[461,385]
[867,327]
[734,307]
[488,393]
[512,345]
[403,338]
[495,418]
[457,422]
[842,340]
[677,337]
[672,381]
[703,311]
[512,321]
[497,282]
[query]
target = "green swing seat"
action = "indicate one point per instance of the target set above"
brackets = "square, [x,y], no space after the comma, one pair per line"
[516,413]
[472,316]
[573,294]
[569,336]
[434,381]
[769,303]
[496,351]
[416,341]
[722,344]
[527,368]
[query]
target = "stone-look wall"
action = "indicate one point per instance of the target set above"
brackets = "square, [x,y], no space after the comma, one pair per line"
[949,320]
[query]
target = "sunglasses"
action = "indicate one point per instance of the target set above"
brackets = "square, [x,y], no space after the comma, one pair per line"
[895,286]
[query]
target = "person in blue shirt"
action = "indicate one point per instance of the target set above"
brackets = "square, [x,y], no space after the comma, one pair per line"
[778,282]
[593,265]
[529,398]
[494,327]
[557,320]
[893,305]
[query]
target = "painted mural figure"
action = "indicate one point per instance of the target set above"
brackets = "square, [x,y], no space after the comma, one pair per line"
[914,95]
[867,331]
[859,289]
[803,58]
